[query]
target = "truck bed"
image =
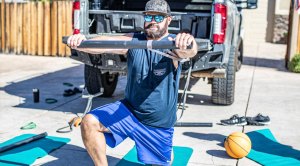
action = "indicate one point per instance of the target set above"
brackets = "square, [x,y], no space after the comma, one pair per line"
[193,16]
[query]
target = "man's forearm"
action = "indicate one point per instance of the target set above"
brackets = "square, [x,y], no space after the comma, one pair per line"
[96,50]
[102,51]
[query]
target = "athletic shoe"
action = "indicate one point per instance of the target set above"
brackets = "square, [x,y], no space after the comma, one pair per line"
[234,120]
[258,119]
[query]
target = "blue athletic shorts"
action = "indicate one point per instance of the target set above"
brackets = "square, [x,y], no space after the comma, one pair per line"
[154,145]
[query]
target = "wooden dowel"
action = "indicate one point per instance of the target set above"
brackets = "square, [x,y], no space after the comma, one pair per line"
[14,26]
[54,17]
[33,29]
[19,29]
[3,25]
[28,27]
[40,28]
[69,24]
[25,28]
[7,27]
[60,29]
[47,37]
[31,8]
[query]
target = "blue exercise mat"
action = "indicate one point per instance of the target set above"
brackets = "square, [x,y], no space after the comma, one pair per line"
[267,151]
[26,154]
[181,157]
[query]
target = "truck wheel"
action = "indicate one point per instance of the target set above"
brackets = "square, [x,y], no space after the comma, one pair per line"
[223,88]
[239,55]
[94,80]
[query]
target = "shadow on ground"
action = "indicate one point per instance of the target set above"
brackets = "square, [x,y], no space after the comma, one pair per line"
[268,63]
[52,85]
[211,137]
[194,98]
[66,156]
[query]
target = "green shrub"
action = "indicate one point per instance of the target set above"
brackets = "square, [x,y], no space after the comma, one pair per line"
[294,65]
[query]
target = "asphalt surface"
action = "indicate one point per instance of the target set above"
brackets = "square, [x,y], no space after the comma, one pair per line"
[263,85]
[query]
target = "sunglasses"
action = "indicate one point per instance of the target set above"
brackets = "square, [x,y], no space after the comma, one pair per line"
[157,18]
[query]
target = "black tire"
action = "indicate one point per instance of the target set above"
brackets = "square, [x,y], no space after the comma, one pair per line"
[239,55]
[109,83]
[223,88]
[94,80]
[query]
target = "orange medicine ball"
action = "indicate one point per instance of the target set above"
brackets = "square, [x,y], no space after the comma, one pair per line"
[237,145]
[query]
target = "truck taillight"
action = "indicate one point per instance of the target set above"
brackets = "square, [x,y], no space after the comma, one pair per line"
[220,18]
[76,15]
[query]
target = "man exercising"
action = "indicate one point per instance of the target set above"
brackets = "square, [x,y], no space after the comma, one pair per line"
[147,114]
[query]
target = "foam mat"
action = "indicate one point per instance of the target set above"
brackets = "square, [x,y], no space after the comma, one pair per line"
[266,150]
[181,157]
[28,153]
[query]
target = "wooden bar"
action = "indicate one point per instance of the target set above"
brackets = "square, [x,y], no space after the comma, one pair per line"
[47,36]
[33,29]
[60,29]
[31,7]
[14,37]
[2,25]
[19,45]
[40,28]
[64,30]
[69,24]
[7,27]
[12,27]
[24,30]
[28,26]
[54,17]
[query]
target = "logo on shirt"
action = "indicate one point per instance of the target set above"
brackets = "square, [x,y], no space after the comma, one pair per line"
[159,72]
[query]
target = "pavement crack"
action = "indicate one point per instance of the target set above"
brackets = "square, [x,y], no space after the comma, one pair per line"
[251,87]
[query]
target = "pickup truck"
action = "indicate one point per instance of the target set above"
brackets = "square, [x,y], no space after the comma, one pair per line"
[216,23]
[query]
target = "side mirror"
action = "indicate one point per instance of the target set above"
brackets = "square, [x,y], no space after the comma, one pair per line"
[252,4]
[246,4]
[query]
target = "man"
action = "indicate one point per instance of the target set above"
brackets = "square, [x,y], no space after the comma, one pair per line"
[148,112]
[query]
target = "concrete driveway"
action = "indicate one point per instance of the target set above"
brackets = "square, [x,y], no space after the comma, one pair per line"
[263,85]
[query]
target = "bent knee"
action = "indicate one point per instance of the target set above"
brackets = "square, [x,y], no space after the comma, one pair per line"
[89,122]
[89,119]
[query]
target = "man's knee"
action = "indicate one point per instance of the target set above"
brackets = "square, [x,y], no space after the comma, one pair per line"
[89,122]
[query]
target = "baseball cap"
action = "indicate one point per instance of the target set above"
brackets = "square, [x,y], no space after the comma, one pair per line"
[159,6]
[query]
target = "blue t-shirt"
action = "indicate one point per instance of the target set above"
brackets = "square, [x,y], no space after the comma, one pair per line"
[152,86]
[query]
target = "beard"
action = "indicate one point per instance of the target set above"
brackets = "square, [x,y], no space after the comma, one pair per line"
[155,34]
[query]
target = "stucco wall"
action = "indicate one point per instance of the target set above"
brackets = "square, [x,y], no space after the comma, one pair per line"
[267,23]
[255,23]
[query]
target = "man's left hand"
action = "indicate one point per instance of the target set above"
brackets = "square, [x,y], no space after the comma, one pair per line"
[183,40]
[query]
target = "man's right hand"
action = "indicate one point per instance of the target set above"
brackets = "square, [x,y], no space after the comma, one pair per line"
[75,40]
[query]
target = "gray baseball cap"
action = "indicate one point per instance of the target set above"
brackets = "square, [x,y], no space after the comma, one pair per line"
[159,6]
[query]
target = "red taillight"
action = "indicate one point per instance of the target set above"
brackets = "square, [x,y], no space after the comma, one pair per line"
[75,19]
[220,18]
